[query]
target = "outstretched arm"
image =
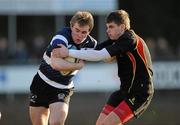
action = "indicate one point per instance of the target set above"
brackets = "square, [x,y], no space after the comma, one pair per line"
[90,55]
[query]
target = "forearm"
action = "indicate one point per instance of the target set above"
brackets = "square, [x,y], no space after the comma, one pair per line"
[110,60]
[63,65]
[90,55]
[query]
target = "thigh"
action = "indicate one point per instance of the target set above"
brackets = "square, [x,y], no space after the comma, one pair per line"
[39,115]
[43,94]
[116,98]
[60,95]
[112,119]
[38,93]
[138,104]
[59,106]
[113,101]
[58,112]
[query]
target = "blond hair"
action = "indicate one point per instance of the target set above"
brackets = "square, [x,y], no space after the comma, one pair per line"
[83,18]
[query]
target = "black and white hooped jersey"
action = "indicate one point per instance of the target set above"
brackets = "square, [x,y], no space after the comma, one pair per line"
[56,78]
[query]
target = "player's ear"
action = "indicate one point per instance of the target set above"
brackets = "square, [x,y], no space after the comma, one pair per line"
[123,26]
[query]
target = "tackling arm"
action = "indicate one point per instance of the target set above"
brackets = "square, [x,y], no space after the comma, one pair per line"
[90,55]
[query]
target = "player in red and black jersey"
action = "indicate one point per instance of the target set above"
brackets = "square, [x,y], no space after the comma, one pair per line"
[134,69]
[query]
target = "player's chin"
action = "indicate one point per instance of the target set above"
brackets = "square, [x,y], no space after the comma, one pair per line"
[78,41]
[112,38]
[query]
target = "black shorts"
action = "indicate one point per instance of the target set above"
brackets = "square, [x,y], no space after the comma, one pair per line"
[138,103]
[42,94]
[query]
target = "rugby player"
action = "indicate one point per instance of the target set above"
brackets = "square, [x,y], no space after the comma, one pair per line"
[51,88]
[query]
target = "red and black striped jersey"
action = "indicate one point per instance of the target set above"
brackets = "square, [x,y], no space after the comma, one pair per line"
[133,60]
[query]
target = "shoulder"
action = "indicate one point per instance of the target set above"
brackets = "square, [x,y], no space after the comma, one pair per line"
[63,36]
[129,37]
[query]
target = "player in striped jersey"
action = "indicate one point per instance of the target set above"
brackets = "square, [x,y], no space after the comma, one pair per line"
[51,88]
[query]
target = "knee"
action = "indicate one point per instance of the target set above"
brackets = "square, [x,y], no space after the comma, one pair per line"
[59,122]
[57,119]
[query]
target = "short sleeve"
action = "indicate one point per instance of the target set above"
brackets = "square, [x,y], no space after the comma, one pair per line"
[59,39]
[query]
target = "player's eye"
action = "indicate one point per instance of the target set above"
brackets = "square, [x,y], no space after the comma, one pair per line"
[77,30]
[84,32]
[110,27]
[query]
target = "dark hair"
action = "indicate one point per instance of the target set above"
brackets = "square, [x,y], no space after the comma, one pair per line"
[119,17]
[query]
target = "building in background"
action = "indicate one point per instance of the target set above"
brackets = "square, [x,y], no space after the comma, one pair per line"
[28,19]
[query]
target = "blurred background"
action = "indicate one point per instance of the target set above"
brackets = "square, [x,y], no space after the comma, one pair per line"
[27,27]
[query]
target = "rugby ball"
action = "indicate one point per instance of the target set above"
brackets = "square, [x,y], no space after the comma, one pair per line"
[69,59]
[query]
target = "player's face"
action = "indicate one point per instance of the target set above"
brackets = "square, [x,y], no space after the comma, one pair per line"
[79,33]
[114,31]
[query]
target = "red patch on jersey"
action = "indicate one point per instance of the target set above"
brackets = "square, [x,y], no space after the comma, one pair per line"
[140,49]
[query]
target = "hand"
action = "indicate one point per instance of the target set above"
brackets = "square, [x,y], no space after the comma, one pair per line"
[81,62]
[110,60]
[60,52]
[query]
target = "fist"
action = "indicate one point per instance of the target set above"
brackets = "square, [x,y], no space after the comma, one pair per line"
[81,62]
[60,52]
